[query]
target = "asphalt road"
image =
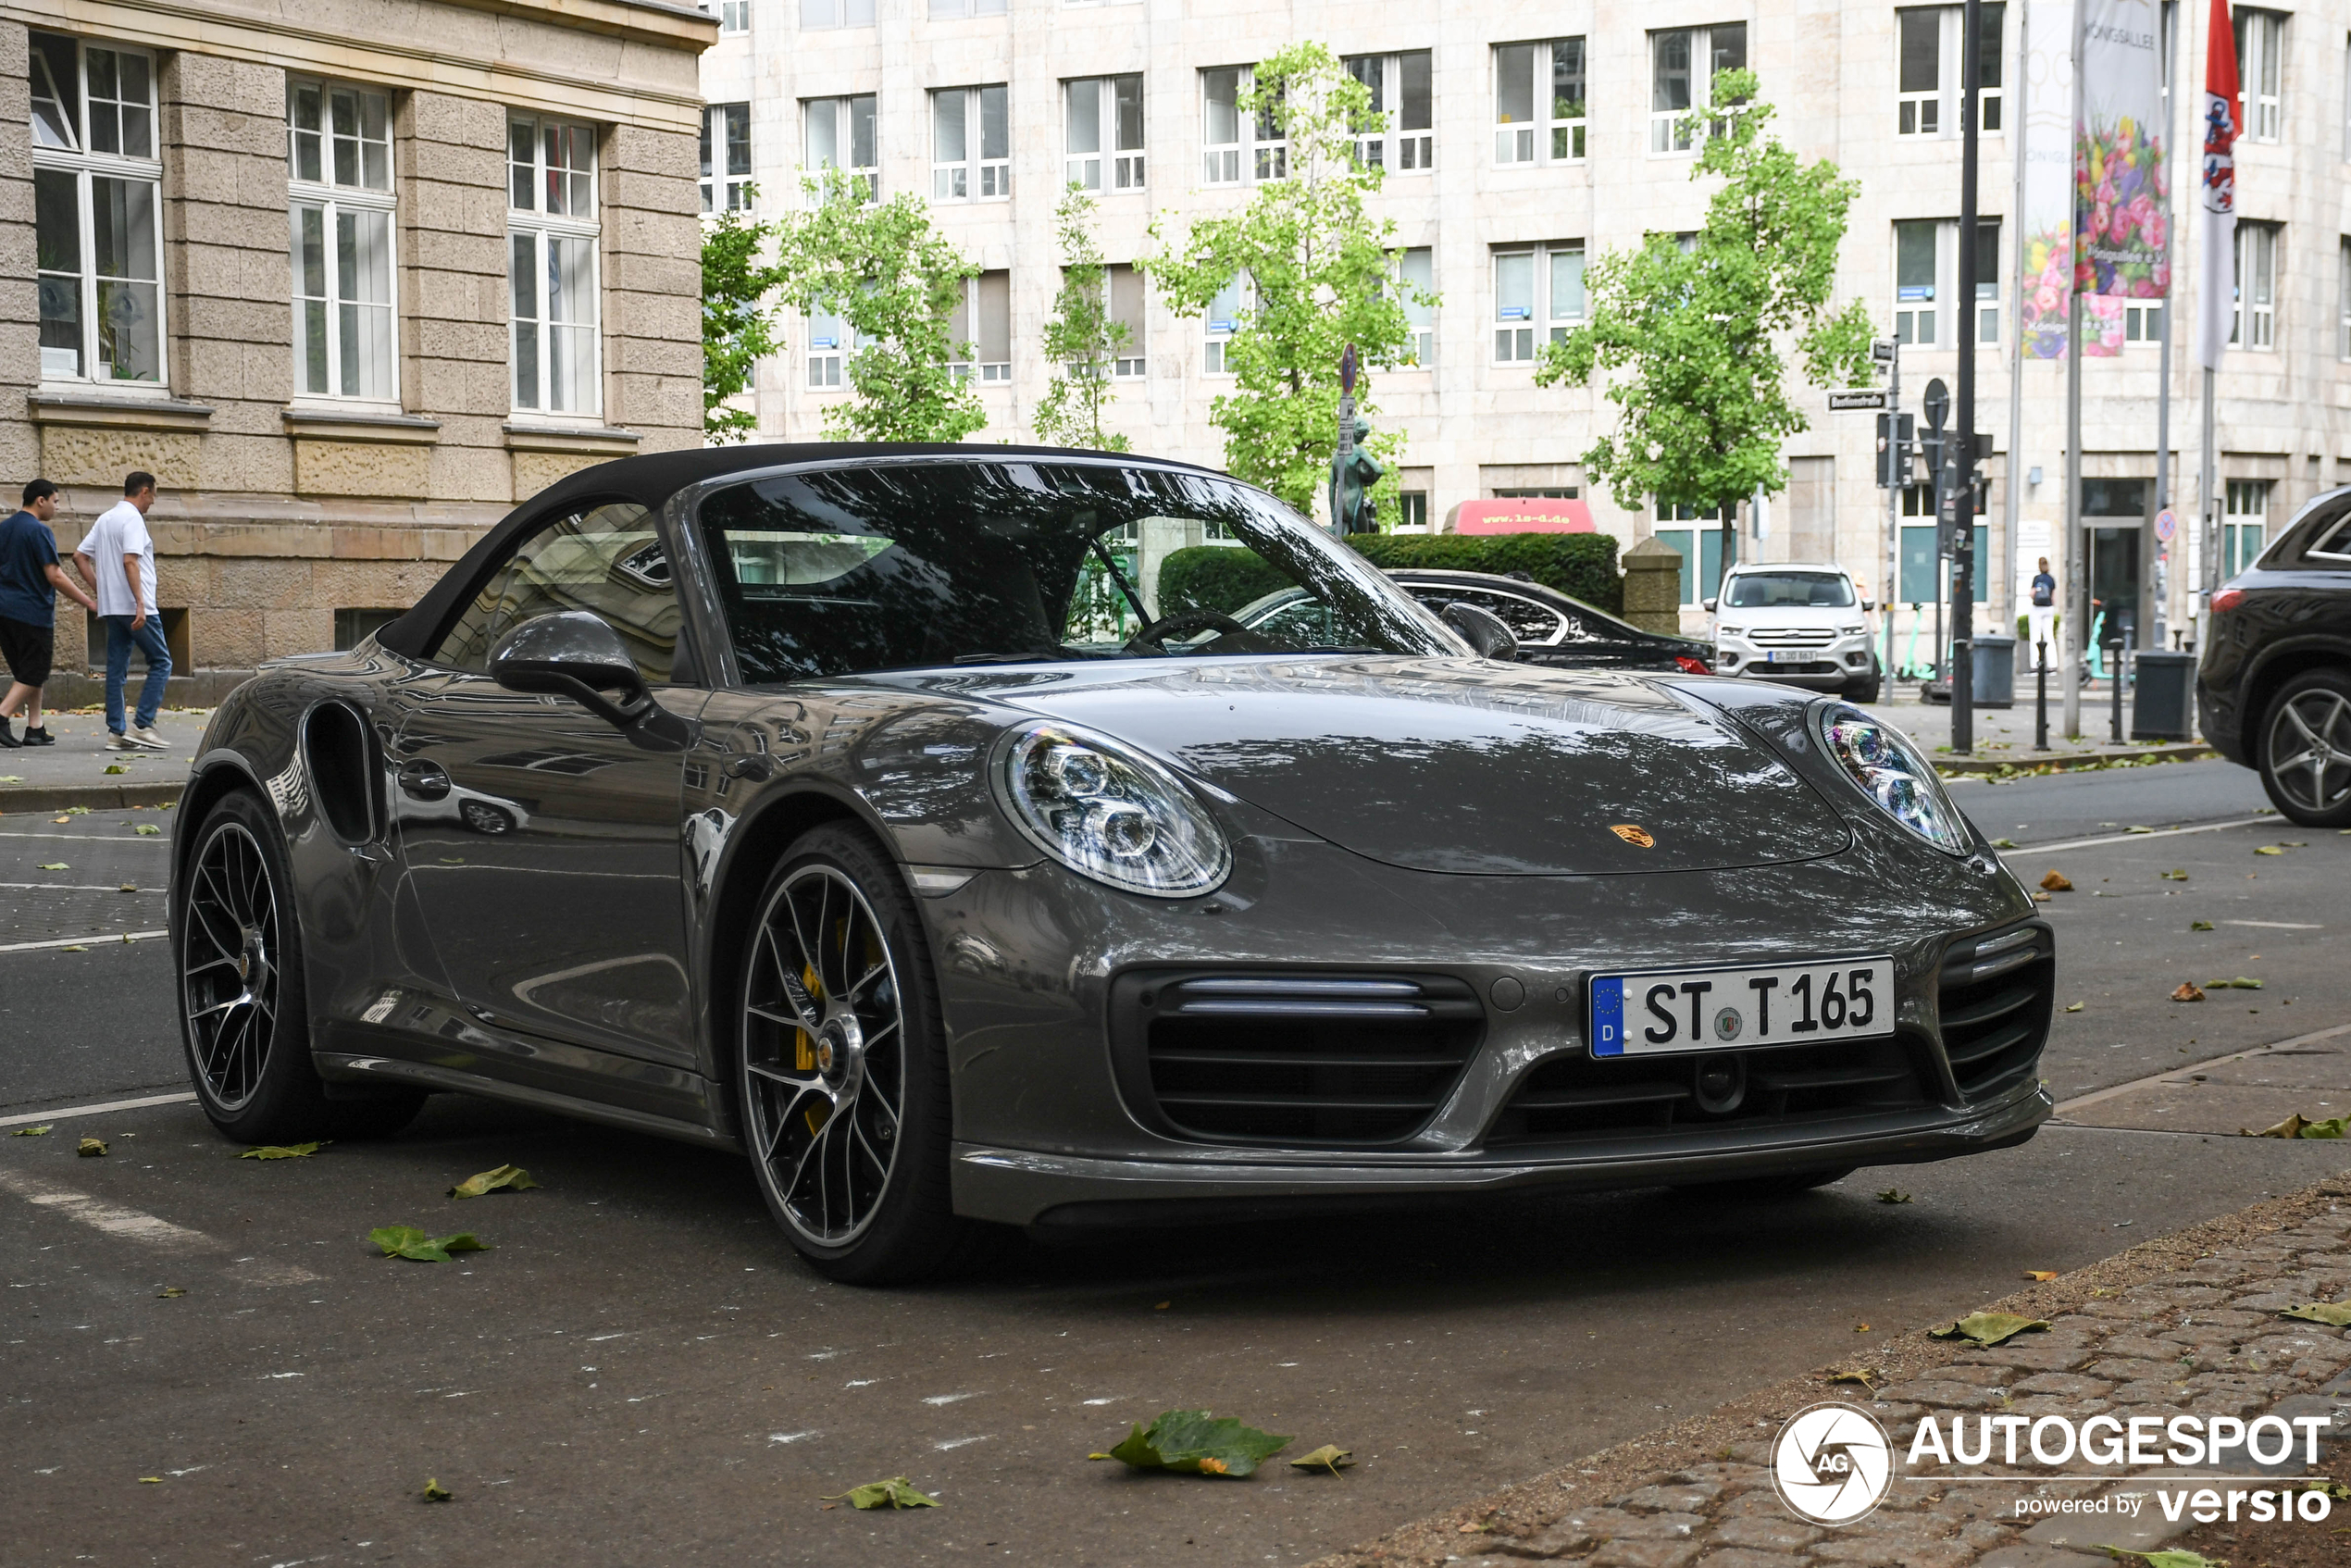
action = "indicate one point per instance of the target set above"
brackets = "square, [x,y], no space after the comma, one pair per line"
[640,1372]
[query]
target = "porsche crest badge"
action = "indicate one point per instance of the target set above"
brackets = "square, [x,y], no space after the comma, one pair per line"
[1631,833]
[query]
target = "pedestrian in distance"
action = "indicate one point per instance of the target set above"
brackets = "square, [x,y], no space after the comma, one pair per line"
[118,559]
[2042,615]
[30,579]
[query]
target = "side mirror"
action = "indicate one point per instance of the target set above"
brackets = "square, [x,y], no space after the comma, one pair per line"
[574,653]
[1868,604]
[1709,604]
[1482,630]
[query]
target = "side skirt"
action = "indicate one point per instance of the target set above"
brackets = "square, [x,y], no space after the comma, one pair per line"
[334,1066]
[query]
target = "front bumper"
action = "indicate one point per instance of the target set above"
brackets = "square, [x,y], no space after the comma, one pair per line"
[1829,669]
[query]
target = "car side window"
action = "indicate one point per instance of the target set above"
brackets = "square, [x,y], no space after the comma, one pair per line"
[606,559]
[2331,546]
[1528,621]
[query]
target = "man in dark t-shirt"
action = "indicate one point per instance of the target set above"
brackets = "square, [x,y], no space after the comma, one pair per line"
[30,581]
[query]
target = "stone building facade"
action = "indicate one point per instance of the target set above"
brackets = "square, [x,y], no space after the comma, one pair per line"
[1502,198]
[350,278]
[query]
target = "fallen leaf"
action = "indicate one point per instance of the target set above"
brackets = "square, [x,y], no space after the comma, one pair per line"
[2040,897]
[61,819]
[407,1241]
[2296,1125]
[2199,925]
[128,888]
[1475,1529]
[116,767]
[1860,1329]
[2134,827]
[2332,1488]
[896,1492]
[435,1492]
[90,1148]
[2177,874]
[285,1151]
[1330,1457]
[54,865]
[2240,983]
[151,1480]
[2003,843]
[2043,1275]
[1160,1306]
[2335,1314]
[147,829]
[170,1292]
[2074,1006]
[2268,849]
[2188,991]
[11,778]
[1194,1441]
[41,1132]
[2056,882]
[1988,1329]
[75,947]
[1893,1195]
[513,1179]
[2165,1558]
[1867,1376]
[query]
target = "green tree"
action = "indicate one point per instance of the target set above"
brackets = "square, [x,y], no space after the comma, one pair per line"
[1082,339]
[882,269]
[738,325]
[1318,274]
[1700,334]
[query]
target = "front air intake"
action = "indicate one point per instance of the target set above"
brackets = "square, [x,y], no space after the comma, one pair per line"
[1993,998]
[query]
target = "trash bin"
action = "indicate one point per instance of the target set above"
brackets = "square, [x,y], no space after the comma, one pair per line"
[1995,671]
[2165,707]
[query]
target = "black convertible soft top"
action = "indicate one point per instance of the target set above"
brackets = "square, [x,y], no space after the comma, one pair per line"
[650,480]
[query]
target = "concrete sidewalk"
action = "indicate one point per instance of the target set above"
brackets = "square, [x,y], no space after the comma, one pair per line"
[2004,735]
[82,769]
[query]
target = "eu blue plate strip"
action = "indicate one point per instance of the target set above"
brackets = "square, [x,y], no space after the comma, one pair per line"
[1608,1016]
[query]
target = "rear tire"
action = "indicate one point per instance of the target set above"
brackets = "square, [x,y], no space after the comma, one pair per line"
[847,1102]
[2304,750]
[245,1023]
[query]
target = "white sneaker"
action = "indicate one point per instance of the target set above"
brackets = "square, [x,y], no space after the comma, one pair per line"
[150,738]
[122,743]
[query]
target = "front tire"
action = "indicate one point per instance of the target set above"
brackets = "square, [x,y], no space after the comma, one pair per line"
[847,1109]
[2304,751]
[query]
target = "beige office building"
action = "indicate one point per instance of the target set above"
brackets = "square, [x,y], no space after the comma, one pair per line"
[1527,139]
[350,278]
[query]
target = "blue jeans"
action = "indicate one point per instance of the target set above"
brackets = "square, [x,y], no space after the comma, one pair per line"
[149,637]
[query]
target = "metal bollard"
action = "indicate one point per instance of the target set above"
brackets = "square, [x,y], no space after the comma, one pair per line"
[2122,665]
[2041,697]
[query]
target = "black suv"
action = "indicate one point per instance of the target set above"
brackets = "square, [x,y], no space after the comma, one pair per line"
[2273,689]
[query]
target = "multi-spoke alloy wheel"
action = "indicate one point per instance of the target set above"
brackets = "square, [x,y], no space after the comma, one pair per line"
[2306,752]
[844,1091]
[229,965]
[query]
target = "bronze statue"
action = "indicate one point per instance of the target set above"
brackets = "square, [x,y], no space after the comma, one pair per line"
[1353,473]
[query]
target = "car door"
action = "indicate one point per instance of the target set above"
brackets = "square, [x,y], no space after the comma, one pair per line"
[543,842]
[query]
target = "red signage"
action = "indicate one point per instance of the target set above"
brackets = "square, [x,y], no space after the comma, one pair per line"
[1523,514]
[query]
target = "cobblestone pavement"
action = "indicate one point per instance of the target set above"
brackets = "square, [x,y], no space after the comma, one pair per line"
[2189,1323]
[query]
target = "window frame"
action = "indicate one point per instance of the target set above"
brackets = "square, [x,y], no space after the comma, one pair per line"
[1253,153]
[2260,315]
[974,177]
[1423,328]
[1127,167]
[2260,38]
[83,167]
[1216,334]
[843,109]
[827,359]
[733,16]
[1924,112]
[332,199]
[1132,363]
[1397,149]
[2342,300]
[543,227]
[1547,137]
[2237,520]
[1518,346]
[973,290]
[714,180]
[1663,141]
[844,13]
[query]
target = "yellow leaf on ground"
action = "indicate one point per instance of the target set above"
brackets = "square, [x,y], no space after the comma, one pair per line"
[511,1178]
[435,1492]
[2043,1275]
[1330,1457]
[90,1148]
[2056,882]
[2188,991]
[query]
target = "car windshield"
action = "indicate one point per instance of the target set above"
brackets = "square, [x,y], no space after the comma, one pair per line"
[1782,591]
[905,566]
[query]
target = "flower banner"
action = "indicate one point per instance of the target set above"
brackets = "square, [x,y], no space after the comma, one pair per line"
[2045,287]
[2122,224]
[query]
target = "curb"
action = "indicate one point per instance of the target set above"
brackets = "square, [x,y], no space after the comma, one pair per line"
[95,797]
[2072,761]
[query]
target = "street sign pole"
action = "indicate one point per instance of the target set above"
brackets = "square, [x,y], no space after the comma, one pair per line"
[1897,461]
[1963,492]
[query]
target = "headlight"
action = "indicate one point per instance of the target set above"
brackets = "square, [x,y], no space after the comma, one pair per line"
[1730,631]
[1881,760]
[1110,813]
[1851,630]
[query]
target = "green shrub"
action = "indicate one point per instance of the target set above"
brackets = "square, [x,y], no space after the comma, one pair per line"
[1582,565]
[1214,577]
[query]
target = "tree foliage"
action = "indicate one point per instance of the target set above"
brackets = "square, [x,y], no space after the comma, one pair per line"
[882,268]
[1318,272]
[1082,341]
[1701,336]
[738,325]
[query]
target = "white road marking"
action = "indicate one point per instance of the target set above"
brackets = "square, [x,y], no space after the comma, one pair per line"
[790,1436]
[99,1214]
[111,1105]
[2173,1075]
[2275,925]
[946,1399]
[96,837]
[960,1442]
[2138,838]
[99,937]
[75,887]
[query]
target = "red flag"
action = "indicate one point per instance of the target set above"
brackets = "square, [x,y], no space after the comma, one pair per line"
[2224,118]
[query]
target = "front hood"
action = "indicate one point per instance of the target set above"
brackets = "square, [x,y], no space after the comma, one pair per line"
[1438,765]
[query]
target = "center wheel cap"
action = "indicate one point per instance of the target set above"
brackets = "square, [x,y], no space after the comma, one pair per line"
[840,1054]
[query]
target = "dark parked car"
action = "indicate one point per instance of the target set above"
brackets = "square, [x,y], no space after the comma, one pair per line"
[2273,687]
[811,802]
[1550,627]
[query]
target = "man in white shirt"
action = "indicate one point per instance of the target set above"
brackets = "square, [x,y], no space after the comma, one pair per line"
[117,558]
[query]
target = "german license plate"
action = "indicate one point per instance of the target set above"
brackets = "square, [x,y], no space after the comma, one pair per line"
[1654,1012]
[1788,656]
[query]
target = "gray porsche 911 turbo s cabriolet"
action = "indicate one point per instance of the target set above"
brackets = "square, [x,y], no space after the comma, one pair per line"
[866,809]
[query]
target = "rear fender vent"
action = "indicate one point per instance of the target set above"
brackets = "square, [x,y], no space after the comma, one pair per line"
[1993,997]
[1293,1058]
[342,774]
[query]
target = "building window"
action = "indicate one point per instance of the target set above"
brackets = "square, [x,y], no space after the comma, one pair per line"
[734,16]
[2343,302]
[1987,279]
[1126,310]
[1401,89]
[1536,287]
[1534,120]
[970,144]
[815,14]
[2257,291]
[96,193]
[2260,63]
[955,10]
[2141,323]
[340,210]
[1102,119]
[1412,510]
[830,341]
[2243,525]
[1916,270]
[1699,543]
[1417,267]
[550,235]
[831,126]
[1229,146]
[1682,66]
[983,324]
[726,156]
[1220,321]
[1929,62]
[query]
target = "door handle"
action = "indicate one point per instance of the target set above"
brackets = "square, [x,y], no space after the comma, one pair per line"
[424,780]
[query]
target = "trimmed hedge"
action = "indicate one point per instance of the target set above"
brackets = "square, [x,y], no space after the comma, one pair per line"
[1582,565]
[1214,577]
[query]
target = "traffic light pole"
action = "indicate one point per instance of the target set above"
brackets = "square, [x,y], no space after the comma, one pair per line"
[1962,489]
[1893,460]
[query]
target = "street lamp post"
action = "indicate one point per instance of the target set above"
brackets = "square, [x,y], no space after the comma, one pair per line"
[1962,450]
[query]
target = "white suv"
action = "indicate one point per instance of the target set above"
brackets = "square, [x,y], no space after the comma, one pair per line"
[1798,622]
